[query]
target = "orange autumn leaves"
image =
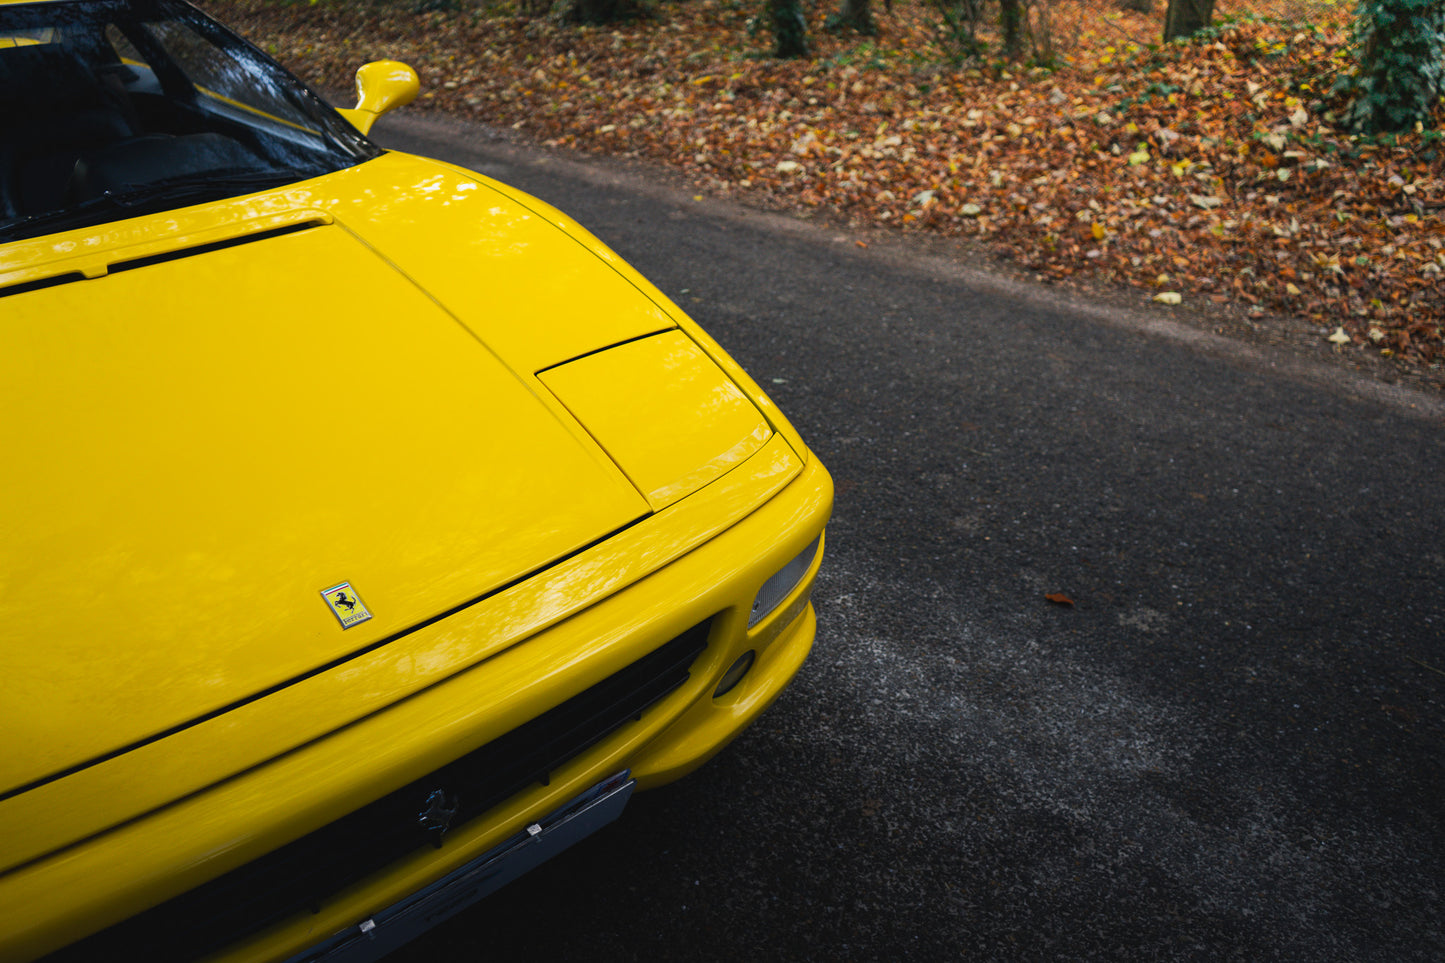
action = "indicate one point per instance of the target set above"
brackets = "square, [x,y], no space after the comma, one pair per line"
[1210,171]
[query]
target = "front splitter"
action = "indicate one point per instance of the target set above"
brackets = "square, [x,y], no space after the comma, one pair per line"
[403,921]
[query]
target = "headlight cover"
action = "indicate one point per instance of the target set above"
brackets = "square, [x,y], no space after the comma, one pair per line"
[663,411]
[781,584]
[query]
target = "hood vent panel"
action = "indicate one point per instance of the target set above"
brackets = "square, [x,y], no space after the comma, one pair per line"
[67,270]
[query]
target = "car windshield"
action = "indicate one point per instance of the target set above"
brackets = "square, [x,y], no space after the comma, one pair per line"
[114,108]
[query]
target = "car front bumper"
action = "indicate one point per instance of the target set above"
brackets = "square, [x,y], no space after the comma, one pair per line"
[417,704]
[397,925]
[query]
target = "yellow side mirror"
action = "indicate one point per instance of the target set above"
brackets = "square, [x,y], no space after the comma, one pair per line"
[380,86]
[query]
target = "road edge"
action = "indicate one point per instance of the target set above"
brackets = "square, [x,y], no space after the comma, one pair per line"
[931,258]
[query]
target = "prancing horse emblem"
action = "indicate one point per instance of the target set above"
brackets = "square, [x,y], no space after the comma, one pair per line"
[437,817]
[346,605]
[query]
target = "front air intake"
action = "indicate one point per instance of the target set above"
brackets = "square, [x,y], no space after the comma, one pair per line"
[301,875]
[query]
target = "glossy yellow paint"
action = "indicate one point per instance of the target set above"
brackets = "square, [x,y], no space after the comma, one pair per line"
[701,338]
[532,293]
[46,819]
[381,85]
[222,410]
[199,469]
[664,412]
[180,845]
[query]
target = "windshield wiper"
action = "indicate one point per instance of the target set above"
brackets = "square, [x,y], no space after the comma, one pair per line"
[136,199]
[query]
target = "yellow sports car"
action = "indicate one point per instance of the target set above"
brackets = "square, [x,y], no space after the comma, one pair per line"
[369,529]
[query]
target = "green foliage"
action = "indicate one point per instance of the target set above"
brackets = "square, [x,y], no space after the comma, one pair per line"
[1024,32]
[958,22]
[1145,97]
[855,15]
[790,28]
[869,55]
[1400,45]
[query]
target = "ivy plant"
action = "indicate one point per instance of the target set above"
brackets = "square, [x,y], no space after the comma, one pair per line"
[1400,48]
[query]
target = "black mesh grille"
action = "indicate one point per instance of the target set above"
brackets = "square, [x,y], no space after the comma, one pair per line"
[299,876]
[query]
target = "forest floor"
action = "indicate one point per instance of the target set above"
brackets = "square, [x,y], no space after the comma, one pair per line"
[1209,172]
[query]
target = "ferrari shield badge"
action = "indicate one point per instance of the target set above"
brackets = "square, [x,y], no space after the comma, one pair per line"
[346,605]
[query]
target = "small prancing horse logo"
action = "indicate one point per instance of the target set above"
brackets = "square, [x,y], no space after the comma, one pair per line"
[346,605]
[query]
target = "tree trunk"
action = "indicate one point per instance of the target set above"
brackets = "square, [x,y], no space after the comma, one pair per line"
[1011,20]
[1184,18]
[790,29]
[604,11]
[853,15]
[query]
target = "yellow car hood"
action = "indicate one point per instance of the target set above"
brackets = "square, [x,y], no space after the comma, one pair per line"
[211,416]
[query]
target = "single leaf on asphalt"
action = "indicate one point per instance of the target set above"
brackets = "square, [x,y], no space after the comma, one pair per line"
[1339,337]
[1168,297]
[1059,598]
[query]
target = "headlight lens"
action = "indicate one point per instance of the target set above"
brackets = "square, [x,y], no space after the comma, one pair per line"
[782,583]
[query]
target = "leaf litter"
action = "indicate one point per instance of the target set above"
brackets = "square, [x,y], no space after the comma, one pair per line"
[1208,170]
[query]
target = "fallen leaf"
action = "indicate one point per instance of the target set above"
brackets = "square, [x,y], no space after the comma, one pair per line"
[1059,598]
[1168,297]
[1209,128]
[1339,337]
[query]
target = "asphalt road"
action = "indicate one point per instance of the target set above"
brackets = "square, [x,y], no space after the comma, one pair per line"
[1230,748]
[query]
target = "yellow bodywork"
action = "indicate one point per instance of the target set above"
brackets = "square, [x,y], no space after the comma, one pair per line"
[663,411]
[381,85]
[530,465]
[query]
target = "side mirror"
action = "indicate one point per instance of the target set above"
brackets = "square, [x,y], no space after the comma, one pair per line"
[380,86]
